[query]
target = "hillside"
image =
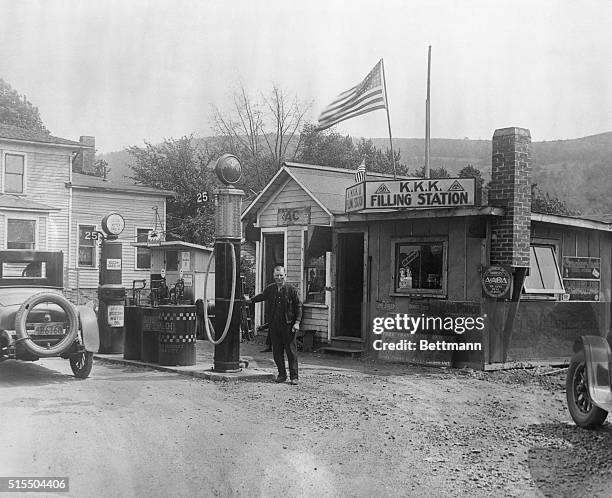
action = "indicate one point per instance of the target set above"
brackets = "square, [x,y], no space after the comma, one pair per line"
[578,170]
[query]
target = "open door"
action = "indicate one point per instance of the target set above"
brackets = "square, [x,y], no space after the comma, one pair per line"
[273,255]
[350,279]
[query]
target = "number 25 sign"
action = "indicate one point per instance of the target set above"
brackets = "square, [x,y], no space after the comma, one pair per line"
[293,216]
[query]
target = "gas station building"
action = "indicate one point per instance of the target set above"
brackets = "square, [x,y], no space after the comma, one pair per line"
[438,249]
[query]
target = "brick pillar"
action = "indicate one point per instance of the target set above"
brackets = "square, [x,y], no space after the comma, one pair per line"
[85,160]
[511,190]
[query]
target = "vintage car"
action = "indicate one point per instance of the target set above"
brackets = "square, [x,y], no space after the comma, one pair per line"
[588,385]
[36,320]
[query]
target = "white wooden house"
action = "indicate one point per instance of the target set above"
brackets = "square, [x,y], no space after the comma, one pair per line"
[49,203]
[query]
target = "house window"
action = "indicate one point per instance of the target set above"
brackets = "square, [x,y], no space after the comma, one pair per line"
[14,173]
[143,255]
[544,275]
[419,266]
[21,234]
[317,244]
[87,246]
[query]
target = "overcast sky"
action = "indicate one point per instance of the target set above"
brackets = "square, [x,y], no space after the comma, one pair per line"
[133,70]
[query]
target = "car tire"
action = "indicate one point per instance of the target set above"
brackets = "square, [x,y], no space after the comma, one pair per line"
[579,402]
[81,364]
[22,316]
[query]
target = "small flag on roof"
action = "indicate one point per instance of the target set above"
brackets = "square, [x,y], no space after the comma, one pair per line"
[360,172]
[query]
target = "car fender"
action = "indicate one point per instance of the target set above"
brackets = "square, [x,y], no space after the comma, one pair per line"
[89,328]
[597,356]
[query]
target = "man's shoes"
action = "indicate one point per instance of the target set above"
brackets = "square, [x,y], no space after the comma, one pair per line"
[267,350]
[280,380]
[293,382]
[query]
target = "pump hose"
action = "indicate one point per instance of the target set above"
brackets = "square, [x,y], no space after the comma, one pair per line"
[231,306]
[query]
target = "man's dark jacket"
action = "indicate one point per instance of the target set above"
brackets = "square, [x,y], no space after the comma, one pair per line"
[290,301]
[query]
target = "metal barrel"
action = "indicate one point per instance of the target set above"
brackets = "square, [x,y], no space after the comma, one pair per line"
[132,333]
[177,340]
[151,328]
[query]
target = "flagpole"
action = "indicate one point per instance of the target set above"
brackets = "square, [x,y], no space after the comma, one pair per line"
[427,132]
[388,118]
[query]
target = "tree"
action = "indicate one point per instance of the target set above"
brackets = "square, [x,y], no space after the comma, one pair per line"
[545,203]
[440,172]
[16,110]
[262,133]
[328,148]
[379,161]
[181,166]
[471,172]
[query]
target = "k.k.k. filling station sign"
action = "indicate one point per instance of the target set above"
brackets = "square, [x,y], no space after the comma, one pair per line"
[410,194]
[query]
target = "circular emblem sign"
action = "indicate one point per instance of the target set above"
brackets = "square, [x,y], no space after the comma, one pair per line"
[496,281]
[113,224]
[228,169]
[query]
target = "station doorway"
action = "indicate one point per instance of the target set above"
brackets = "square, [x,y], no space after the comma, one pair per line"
[350,286]
[273,255]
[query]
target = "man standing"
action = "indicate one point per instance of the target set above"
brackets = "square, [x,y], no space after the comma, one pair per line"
[285,317]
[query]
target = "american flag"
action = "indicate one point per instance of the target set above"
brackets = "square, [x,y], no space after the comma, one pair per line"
[365,97]
[360,172]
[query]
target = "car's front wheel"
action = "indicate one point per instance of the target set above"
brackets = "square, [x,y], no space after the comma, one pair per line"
[81,364]
[579,403]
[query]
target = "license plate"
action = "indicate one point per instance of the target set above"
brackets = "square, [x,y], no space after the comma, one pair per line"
[49,328]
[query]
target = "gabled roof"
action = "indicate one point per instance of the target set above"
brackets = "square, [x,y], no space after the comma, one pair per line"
[16,134]
[326,186]
[81,181]
[15,202]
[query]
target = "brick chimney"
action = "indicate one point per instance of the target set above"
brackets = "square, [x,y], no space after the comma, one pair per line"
[511,190]
[85,160]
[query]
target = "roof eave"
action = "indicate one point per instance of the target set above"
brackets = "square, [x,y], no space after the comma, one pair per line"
[47,144]
[569,221]
[159,193]
[419,213]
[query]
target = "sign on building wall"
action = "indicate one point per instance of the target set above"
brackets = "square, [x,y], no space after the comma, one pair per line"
[293,216]
[410,194]
[496,282]
[113,264]
[582,278]
[185,261]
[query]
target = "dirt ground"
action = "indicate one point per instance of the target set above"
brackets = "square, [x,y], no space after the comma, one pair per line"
[350,428]
[382,429]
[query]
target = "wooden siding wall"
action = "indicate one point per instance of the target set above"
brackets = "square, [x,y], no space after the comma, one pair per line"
[580,242]
[463,256]
[89,207]
[292,195]
[47,171]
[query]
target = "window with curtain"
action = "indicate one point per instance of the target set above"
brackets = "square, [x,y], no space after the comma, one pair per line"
[20,234]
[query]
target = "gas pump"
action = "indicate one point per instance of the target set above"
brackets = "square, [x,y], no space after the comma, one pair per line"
[111,293]
[228,201]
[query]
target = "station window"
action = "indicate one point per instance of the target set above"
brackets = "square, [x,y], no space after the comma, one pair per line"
[317,245]
[87,246]
[143,255]
[419,266]
[21,234]
[544,277]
